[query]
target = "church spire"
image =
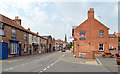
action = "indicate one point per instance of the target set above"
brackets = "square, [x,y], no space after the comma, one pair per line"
[65,39]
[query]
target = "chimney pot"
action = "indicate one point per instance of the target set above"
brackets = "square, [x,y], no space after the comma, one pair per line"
[37,33]
[17,20]
[16,17]
[91,13]
[29,29]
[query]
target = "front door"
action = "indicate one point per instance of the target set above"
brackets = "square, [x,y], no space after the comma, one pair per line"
[3,50]
[19,49]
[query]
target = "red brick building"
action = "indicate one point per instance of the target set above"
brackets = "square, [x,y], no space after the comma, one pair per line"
[92,36]
[14,37]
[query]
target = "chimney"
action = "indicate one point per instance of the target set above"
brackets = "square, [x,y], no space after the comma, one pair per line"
[17,20]
[37,33]
[29,29]
[91,13]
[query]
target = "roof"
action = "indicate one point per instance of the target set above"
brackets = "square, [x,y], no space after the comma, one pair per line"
[34,34]
[10,22]
[112,35]
[117,34]
[74,27]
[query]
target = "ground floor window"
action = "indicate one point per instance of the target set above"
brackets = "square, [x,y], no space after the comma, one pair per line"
[25,48]
[35,48]
[13,48]
[101,47]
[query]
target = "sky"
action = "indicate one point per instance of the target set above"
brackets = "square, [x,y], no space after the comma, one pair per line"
[57,18]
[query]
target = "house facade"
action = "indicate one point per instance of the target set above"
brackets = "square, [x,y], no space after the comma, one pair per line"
[92,36]
[49,43]
[34,42]
[59,44]
[14,37]
[43,45]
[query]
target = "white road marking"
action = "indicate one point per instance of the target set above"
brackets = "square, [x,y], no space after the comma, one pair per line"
[48,67]
[45,69]
[98,61]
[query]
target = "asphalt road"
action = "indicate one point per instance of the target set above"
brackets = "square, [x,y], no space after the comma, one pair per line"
[56,62]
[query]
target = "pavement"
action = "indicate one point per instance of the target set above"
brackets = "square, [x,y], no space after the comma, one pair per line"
[58,62]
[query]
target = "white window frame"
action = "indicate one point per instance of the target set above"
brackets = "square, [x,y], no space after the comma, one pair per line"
[14,48]
[2,29]
[25,36]
[25,48]
[13,35]
[101,34]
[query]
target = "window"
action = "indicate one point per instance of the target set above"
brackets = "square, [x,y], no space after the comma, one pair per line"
[13,33]
[36,38]
[101,47]
[13,47]
[25,48]
[25,36]
[32,38]
[2,29]
[82,35]
[101,33]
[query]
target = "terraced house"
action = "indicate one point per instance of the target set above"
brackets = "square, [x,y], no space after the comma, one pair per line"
[49,43]
[91,37]
[14,38]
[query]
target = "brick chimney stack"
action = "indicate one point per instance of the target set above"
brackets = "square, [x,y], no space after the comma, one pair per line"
[91,13]
[29,29]
[17,20]
[37,33]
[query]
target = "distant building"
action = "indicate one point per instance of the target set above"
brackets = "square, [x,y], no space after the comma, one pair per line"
[92,36]
[49,43]
[59,44]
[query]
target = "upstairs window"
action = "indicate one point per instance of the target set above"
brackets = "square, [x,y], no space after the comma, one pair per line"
[25,48]
[32,38]
[13,33]
[101,33]
[82,35]
[25,36]
[2,29]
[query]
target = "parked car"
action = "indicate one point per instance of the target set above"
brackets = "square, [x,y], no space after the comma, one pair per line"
[63,50]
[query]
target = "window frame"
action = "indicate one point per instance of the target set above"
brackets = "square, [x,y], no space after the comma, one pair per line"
[25,48]
[13,48]
[82,33]
[101,33]
[102,47]
[2,29]
[13,35]
[25,36]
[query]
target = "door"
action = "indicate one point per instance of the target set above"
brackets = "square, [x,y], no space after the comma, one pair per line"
[3,50]
[30,50]
[19,49]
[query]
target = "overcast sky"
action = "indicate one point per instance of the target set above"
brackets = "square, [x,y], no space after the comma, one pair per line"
[57,18]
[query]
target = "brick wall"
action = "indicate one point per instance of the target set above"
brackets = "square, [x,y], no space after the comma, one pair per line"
[19,37]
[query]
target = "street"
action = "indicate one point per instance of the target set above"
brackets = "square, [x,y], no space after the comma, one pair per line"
[57,62]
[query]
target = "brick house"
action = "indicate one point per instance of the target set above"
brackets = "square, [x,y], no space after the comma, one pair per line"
[59,44]
[92,36]
[53,43]
[43,45]
[49,43]
[14,37]
[34,42]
